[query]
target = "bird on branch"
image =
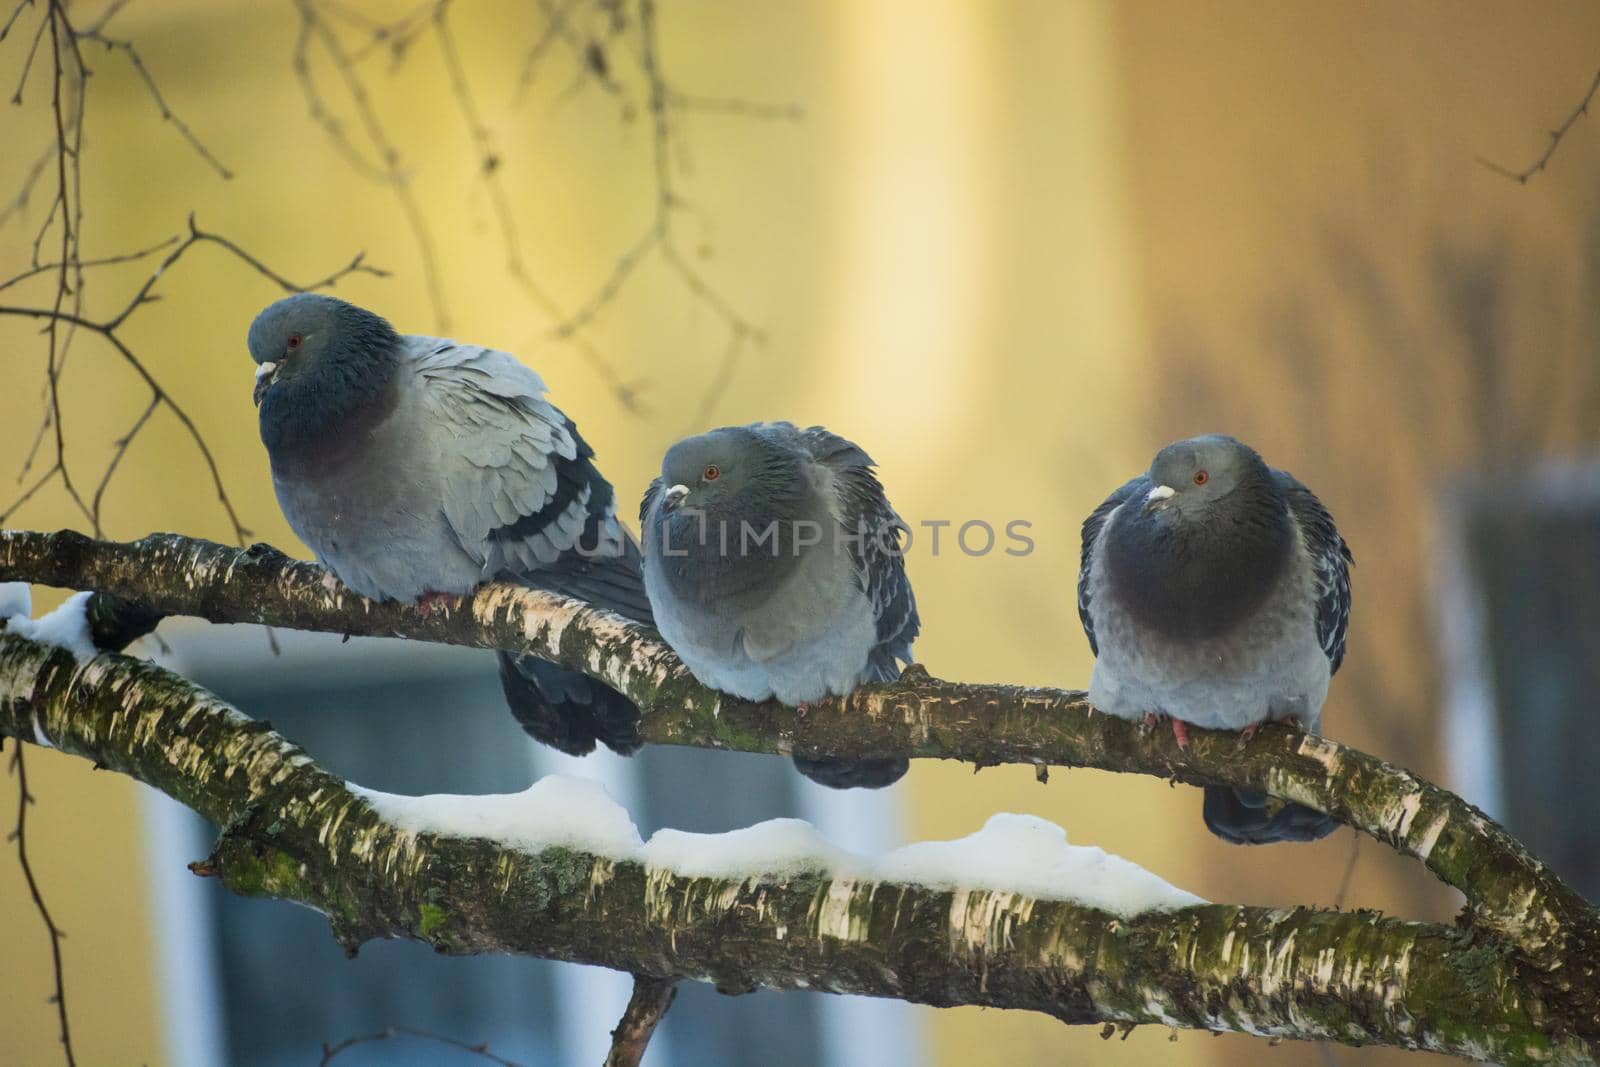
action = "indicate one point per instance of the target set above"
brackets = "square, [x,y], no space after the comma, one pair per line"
[775,568]
[1215,591]
[417,468]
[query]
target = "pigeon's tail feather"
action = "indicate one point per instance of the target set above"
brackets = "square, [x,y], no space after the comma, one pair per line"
[853,774]
[1241,817]
[615,583]
[567,710]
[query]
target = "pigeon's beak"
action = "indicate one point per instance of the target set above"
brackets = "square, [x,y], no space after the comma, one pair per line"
[674,497]
[1157,498]
[266,374]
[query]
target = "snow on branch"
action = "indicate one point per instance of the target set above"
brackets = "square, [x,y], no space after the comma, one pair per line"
[498,876]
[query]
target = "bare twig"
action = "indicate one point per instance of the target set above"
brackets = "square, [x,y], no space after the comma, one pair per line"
[389,1033]
[19,769]
[556,28]
[388,169]
[1521,176]
[490,170]
[167,114]
[159,396]
[720,380]
[650,1000]
[19,203]
[16,13]
[104,261]
[1349,871]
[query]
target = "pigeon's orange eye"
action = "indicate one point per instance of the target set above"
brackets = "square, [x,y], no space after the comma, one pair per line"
[712,473]
[1201,477]
[294,341]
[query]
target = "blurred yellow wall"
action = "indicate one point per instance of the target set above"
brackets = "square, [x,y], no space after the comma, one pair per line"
[1011,249]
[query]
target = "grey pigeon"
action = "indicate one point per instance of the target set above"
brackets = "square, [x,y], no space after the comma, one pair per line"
[1216,590]
[417,468]
[773,564]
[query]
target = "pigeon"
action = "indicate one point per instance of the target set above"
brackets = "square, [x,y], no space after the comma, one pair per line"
[1215,590]
[417,468]
[774,566]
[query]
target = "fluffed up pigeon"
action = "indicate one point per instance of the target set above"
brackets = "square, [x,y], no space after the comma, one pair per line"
[774,567]
[1216,590]
[418,468]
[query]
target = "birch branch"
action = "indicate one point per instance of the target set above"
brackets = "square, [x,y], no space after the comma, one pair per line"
[291,830]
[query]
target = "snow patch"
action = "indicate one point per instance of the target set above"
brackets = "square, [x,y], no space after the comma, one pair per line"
[556,811]
[15,599]
[1028,855]
[66,627]
[775,847]
[1017,854]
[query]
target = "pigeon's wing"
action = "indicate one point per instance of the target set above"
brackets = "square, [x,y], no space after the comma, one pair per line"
[877,546]
[520,489]
[1091,532]
[1331,561]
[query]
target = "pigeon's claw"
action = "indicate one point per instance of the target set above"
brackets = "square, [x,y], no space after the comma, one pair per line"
[434,601]
[329,582]
[1248,732]
[1180,731]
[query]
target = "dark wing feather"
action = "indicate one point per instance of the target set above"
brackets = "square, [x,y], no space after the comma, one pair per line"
[1331,559]
[647,503]
[604,566]
[879,554]
[1091,532]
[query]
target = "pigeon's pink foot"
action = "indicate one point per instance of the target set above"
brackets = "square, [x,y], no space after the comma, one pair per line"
[433,601]
[802,708]
[1152,719]
[329,582]
[1181,732]
[1248,732]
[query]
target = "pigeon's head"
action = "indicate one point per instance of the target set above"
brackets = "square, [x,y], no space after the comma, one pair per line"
[1192,475]
[306,335]
[736,468]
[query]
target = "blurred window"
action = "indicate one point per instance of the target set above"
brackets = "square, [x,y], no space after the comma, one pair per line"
[1522,659]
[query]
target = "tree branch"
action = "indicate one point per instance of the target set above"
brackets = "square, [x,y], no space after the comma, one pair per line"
[1508,892]
[293,831]
[649,1003]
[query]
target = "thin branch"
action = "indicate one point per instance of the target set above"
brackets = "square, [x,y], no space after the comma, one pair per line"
[1349,871]
[19,770]
[720,380]
[33,50]
[490,170]
[27,494]
[121,450]
[291,830]
[167,114]
[19,203]
[389,169]
[736,106]
[104,261]
[389,1033]
[1521,176]
[649,1003]
[556,28]
[108,329]
[16,13]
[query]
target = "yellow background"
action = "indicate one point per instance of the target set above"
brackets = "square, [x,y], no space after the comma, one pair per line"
[1011,248]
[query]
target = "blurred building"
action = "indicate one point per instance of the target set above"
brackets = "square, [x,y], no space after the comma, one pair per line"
[1011,248]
